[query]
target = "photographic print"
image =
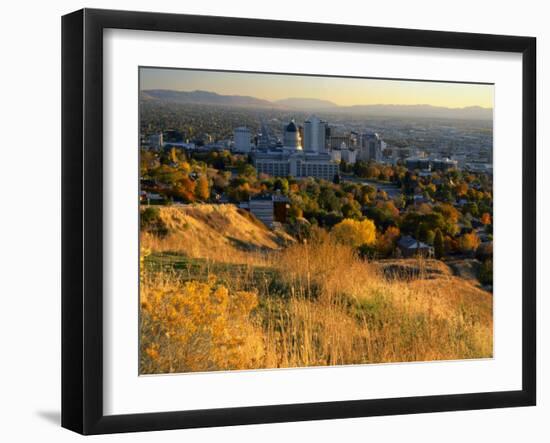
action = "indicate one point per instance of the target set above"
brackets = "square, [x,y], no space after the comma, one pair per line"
[294,221]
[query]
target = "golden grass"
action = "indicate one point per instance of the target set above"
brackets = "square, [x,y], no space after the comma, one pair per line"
[330,308]
[221,233]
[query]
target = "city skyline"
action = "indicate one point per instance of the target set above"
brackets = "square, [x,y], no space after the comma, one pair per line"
[343,91]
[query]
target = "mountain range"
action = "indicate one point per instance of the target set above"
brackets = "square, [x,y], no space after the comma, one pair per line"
[312,104]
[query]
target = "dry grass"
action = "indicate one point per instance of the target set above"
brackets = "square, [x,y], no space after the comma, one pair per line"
[310,304]
[221,233]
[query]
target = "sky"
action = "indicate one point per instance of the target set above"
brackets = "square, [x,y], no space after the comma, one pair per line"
[339,90]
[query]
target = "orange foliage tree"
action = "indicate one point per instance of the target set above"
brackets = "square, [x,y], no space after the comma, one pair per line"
[486,218]
[468,243]
[385,243]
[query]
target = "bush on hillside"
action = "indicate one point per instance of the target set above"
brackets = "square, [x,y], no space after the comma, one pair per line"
[150,221]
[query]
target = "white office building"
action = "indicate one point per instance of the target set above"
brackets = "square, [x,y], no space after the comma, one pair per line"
[348,155]
[298,164]
[241,139]
[315,134]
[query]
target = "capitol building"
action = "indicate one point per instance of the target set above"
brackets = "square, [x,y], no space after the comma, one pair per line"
[303,153]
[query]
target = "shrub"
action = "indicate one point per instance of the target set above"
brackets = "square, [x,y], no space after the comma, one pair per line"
[197,327]
[485,275]
[151,221]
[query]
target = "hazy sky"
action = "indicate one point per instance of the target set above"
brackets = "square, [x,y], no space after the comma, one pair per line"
[342,91]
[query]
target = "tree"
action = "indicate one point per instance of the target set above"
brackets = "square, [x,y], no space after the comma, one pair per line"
[461,190]
[468,243]
[385,244]
[351,209]
[281,184]
[430,236]
[449,212]
[485,274]
[486,218]
[247,170]
[471,208]
[439,244]
[295,212]
[355,233]
[173,155]
[202,188]
[329,201]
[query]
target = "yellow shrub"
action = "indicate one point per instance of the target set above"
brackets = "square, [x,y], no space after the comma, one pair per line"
[197,327]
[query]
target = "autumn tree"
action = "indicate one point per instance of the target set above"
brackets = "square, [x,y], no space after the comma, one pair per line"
[461,189]
[449,212]
[173,155]
[355,233]
[385,243]
[486,218]
[202,188]
[468,243]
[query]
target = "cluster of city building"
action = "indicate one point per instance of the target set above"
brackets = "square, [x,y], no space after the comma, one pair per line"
[315,149]
[308,150]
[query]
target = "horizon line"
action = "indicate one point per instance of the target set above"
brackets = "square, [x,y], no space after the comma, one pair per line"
[312,98]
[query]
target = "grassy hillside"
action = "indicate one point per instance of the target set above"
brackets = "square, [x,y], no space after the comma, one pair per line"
[220,232]
[212,303]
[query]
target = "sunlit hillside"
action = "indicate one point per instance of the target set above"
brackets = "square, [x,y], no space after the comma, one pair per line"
[212,302]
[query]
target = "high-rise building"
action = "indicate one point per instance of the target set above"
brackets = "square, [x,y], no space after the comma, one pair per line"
[241,138]
[336,141]
[348,156]
[370,147]
[315,134]
[263,137]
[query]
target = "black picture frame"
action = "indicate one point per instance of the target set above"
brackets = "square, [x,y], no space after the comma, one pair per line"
[82,218]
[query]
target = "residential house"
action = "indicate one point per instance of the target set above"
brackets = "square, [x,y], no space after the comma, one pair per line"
[410,247]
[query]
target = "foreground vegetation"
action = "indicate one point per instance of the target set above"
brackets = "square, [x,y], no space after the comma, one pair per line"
[314,303]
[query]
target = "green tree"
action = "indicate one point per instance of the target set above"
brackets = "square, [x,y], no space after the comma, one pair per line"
[439,244]
[351,209]
[485,274]
[281,184]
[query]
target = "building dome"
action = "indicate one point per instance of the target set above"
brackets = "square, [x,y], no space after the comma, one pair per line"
[292,140]
[291,127]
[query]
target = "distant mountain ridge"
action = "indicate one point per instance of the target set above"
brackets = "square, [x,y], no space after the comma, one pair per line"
[469,112]
[203,98]
[312,104]
[305,103]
